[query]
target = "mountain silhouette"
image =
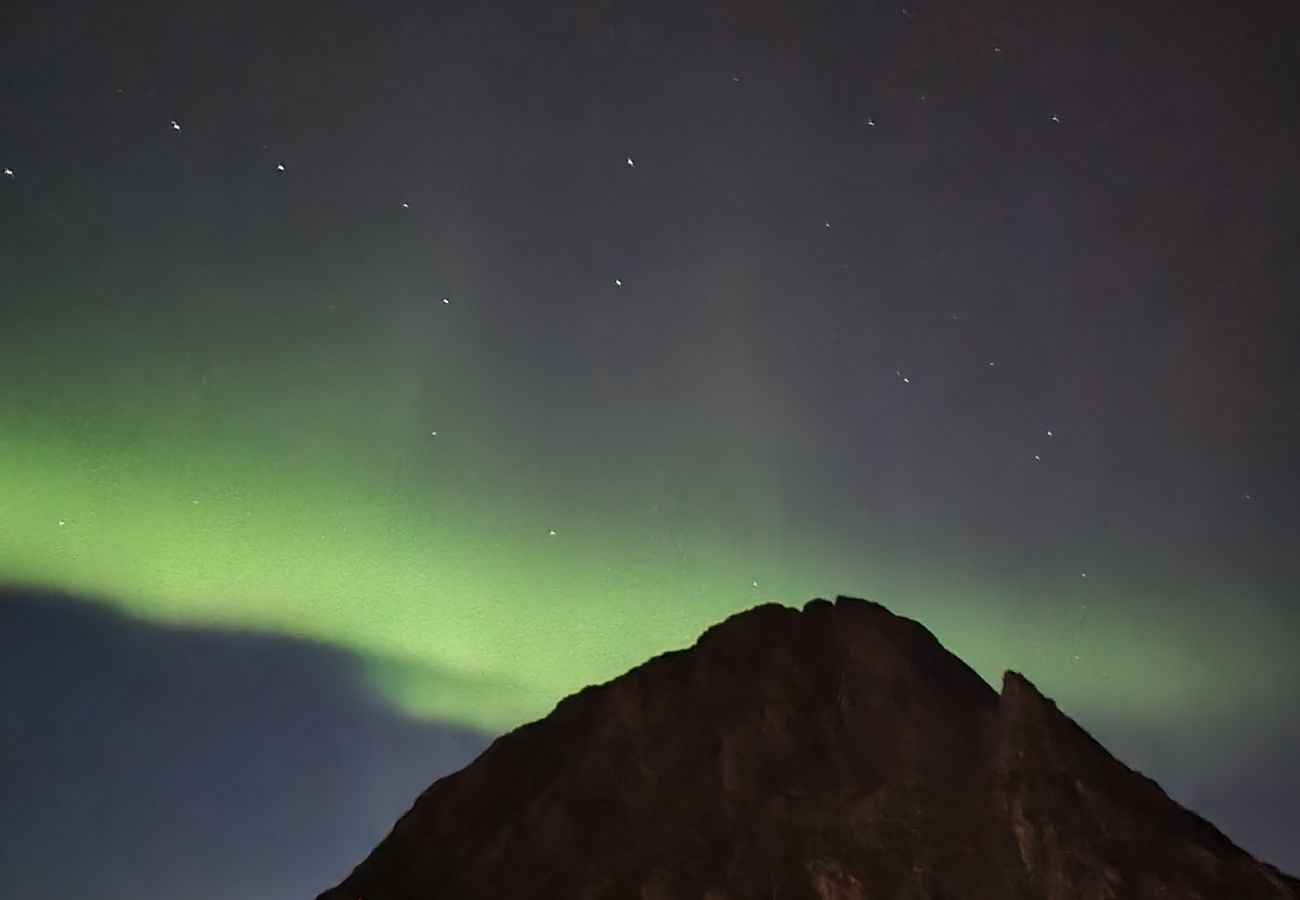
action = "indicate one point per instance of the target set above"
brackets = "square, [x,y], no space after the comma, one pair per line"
[834,753]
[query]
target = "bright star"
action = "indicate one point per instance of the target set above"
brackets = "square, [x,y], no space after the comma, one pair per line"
[8,173]
[279,167]
[618,282]
[176,126]
[630,163]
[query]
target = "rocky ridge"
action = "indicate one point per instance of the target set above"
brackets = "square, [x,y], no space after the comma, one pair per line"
[836,753]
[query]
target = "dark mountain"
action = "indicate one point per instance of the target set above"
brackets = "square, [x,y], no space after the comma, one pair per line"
[838,753]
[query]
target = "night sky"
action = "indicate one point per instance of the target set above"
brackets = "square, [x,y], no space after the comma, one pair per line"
[374,375]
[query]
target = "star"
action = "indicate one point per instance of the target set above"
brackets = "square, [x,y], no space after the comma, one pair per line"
[62,523]
[279,167]
[997,49]
[1083,574]
[618,282]
[1037,457]
[176,126]
[406,206]
[1056,119]
[630,163]
[906,380]
[1049,433]
[433,433]
[446,299]
[8,173]
[828,224]
[871,122]
[755,584]
[551,532]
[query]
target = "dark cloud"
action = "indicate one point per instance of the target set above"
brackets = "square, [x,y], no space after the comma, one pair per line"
[144,761]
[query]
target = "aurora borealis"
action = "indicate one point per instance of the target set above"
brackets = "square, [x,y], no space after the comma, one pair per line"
[355,327]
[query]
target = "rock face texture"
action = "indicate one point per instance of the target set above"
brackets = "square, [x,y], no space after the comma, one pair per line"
[834,753]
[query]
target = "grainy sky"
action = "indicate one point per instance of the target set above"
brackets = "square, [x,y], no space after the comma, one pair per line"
[436,359]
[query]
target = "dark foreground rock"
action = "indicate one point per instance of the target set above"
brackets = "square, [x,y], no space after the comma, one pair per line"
[838,753]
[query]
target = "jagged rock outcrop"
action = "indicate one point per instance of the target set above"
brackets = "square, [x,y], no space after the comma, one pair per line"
[836,753]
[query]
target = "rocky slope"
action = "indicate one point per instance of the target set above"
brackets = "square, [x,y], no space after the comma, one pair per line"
[838,752]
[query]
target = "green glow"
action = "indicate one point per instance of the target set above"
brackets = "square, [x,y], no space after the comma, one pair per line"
[291,507]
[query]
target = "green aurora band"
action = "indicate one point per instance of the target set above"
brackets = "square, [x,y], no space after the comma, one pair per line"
[252,497]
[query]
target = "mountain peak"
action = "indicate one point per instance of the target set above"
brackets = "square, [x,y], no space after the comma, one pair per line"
[838,751]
